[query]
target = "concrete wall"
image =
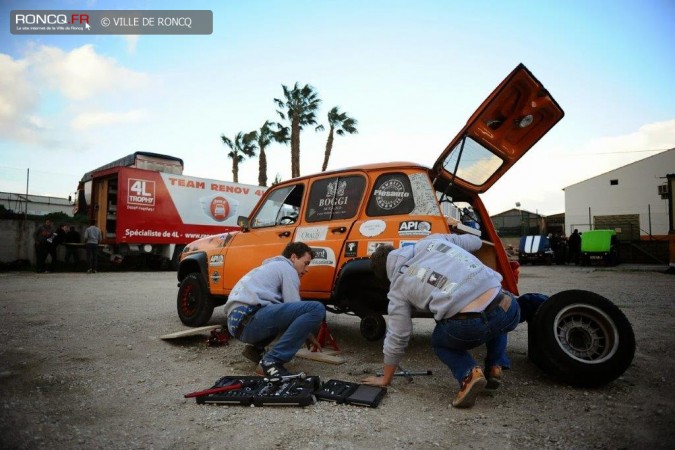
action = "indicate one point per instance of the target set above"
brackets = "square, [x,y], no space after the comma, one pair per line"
[17,240]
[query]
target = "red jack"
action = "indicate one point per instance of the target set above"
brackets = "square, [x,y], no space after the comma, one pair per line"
[324,337]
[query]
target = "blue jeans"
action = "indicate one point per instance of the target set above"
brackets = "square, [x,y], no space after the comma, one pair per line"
[452,339]
[529,303]
[92,255]
[294,320]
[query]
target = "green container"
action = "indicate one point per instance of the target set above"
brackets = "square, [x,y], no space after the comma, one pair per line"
[597,241]
[599,247]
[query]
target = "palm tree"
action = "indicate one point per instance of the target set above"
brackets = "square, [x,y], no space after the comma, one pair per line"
[299,108]
[339,124]
[240,149]
[268,133]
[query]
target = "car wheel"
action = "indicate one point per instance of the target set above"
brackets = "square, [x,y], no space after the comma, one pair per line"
[582,338]
[373,327]
[193,303]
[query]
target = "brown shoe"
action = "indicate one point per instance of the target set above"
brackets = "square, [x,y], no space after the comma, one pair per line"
[472,385]
[494,377]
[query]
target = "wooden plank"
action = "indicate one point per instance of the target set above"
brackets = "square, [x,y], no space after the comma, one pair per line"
[327,356]
[191,332]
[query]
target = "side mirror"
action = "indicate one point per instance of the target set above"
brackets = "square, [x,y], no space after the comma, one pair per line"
[242,222]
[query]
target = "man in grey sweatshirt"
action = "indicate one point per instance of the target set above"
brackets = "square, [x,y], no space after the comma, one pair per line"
[440,275]
[266,303]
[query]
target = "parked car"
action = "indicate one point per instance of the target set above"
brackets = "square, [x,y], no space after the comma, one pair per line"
[345,214]
[535,249]
[600,247]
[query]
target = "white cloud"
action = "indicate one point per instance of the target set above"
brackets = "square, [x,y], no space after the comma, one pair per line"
[96,119]
[538,180]
[132,42]
[653,136]
[76,76]
[17,99]
[82,73]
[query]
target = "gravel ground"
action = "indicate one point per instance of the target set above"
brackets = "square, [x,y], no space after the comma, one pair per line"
[82,366]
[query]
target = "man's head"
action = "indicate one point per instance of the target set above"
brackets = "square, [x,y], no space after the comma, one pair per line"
[300,255]
[379,261]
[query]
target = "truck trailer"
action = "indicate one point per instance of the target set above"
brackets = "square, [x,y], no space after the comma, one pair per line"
[148,210]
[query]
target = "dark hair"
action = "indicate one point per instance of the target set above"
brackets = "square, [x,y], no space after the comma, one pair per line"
[298,249]
[378,259]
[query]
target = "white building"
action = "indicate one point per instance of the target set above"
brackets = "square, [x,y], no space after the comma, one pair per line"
[630,199]
[38,205]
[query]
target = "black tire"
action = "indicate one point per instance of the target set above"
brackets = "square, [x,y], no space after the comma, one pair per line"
[581,338]
[195,308]
[373,327]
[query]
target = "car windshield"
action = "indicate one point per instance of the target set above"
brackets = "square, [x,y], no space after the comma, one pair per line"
[476,163]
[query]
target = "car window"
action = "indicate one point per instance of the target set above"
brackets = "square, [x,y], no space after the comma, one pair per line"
[281,207]
[335,198]
[477,164]
[397,193]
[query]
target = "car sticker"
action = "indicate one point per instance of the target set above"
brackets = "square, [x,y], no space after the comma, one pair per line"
[305,234]
[216,260]
[351,249]
[323,256]
[215,277]
[372,228]
[414,228]
[373,245]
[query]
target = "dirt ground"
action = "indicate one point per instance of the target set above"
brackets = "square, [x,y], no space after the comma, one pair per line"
[82,366]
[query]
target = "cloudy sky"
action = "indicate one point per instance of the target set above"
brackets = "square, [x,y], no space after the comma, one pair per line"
[411,73]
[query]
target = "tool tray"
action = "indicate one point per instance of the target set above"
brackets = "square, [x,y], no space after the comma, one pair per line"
[258,392]
[351,393]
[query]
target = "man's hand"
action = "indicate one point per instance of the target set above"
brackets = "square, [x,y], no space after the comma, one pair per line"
[385,379]
[311,341]
[375,381]
[451,221]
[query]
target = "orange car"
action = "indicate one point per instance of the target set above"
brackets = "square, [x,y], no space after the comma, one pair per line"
[345,214]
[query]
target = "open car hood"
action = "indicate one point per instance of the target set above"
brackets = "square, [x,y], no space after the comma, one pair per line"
[508,123]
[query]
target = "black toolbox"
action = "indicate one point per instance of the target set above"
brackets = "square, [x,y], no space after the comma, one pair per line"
[350,393]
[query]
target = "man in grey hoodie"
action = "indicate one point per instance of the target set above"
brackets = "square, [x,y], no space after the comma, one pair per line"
[266,303]
[440,275]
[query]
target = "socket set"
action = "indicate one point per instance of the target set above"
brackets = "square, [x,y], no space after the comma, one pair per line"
[259,392]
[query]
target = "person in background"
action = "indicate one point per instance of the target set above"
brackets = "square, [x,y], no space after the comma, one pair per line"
[440,275]
[72,237]
[57,239]
[42,236]
[92,237]
[574,247]
[265,303]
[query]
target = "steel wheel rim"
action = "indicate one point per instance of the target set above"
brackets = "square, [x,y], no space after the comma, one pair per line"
[188,301]
[586,333]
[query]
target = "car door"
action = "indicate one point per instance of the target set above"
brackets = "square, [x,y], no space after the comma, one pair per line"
[518,113]
[270,228]
[332,207]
